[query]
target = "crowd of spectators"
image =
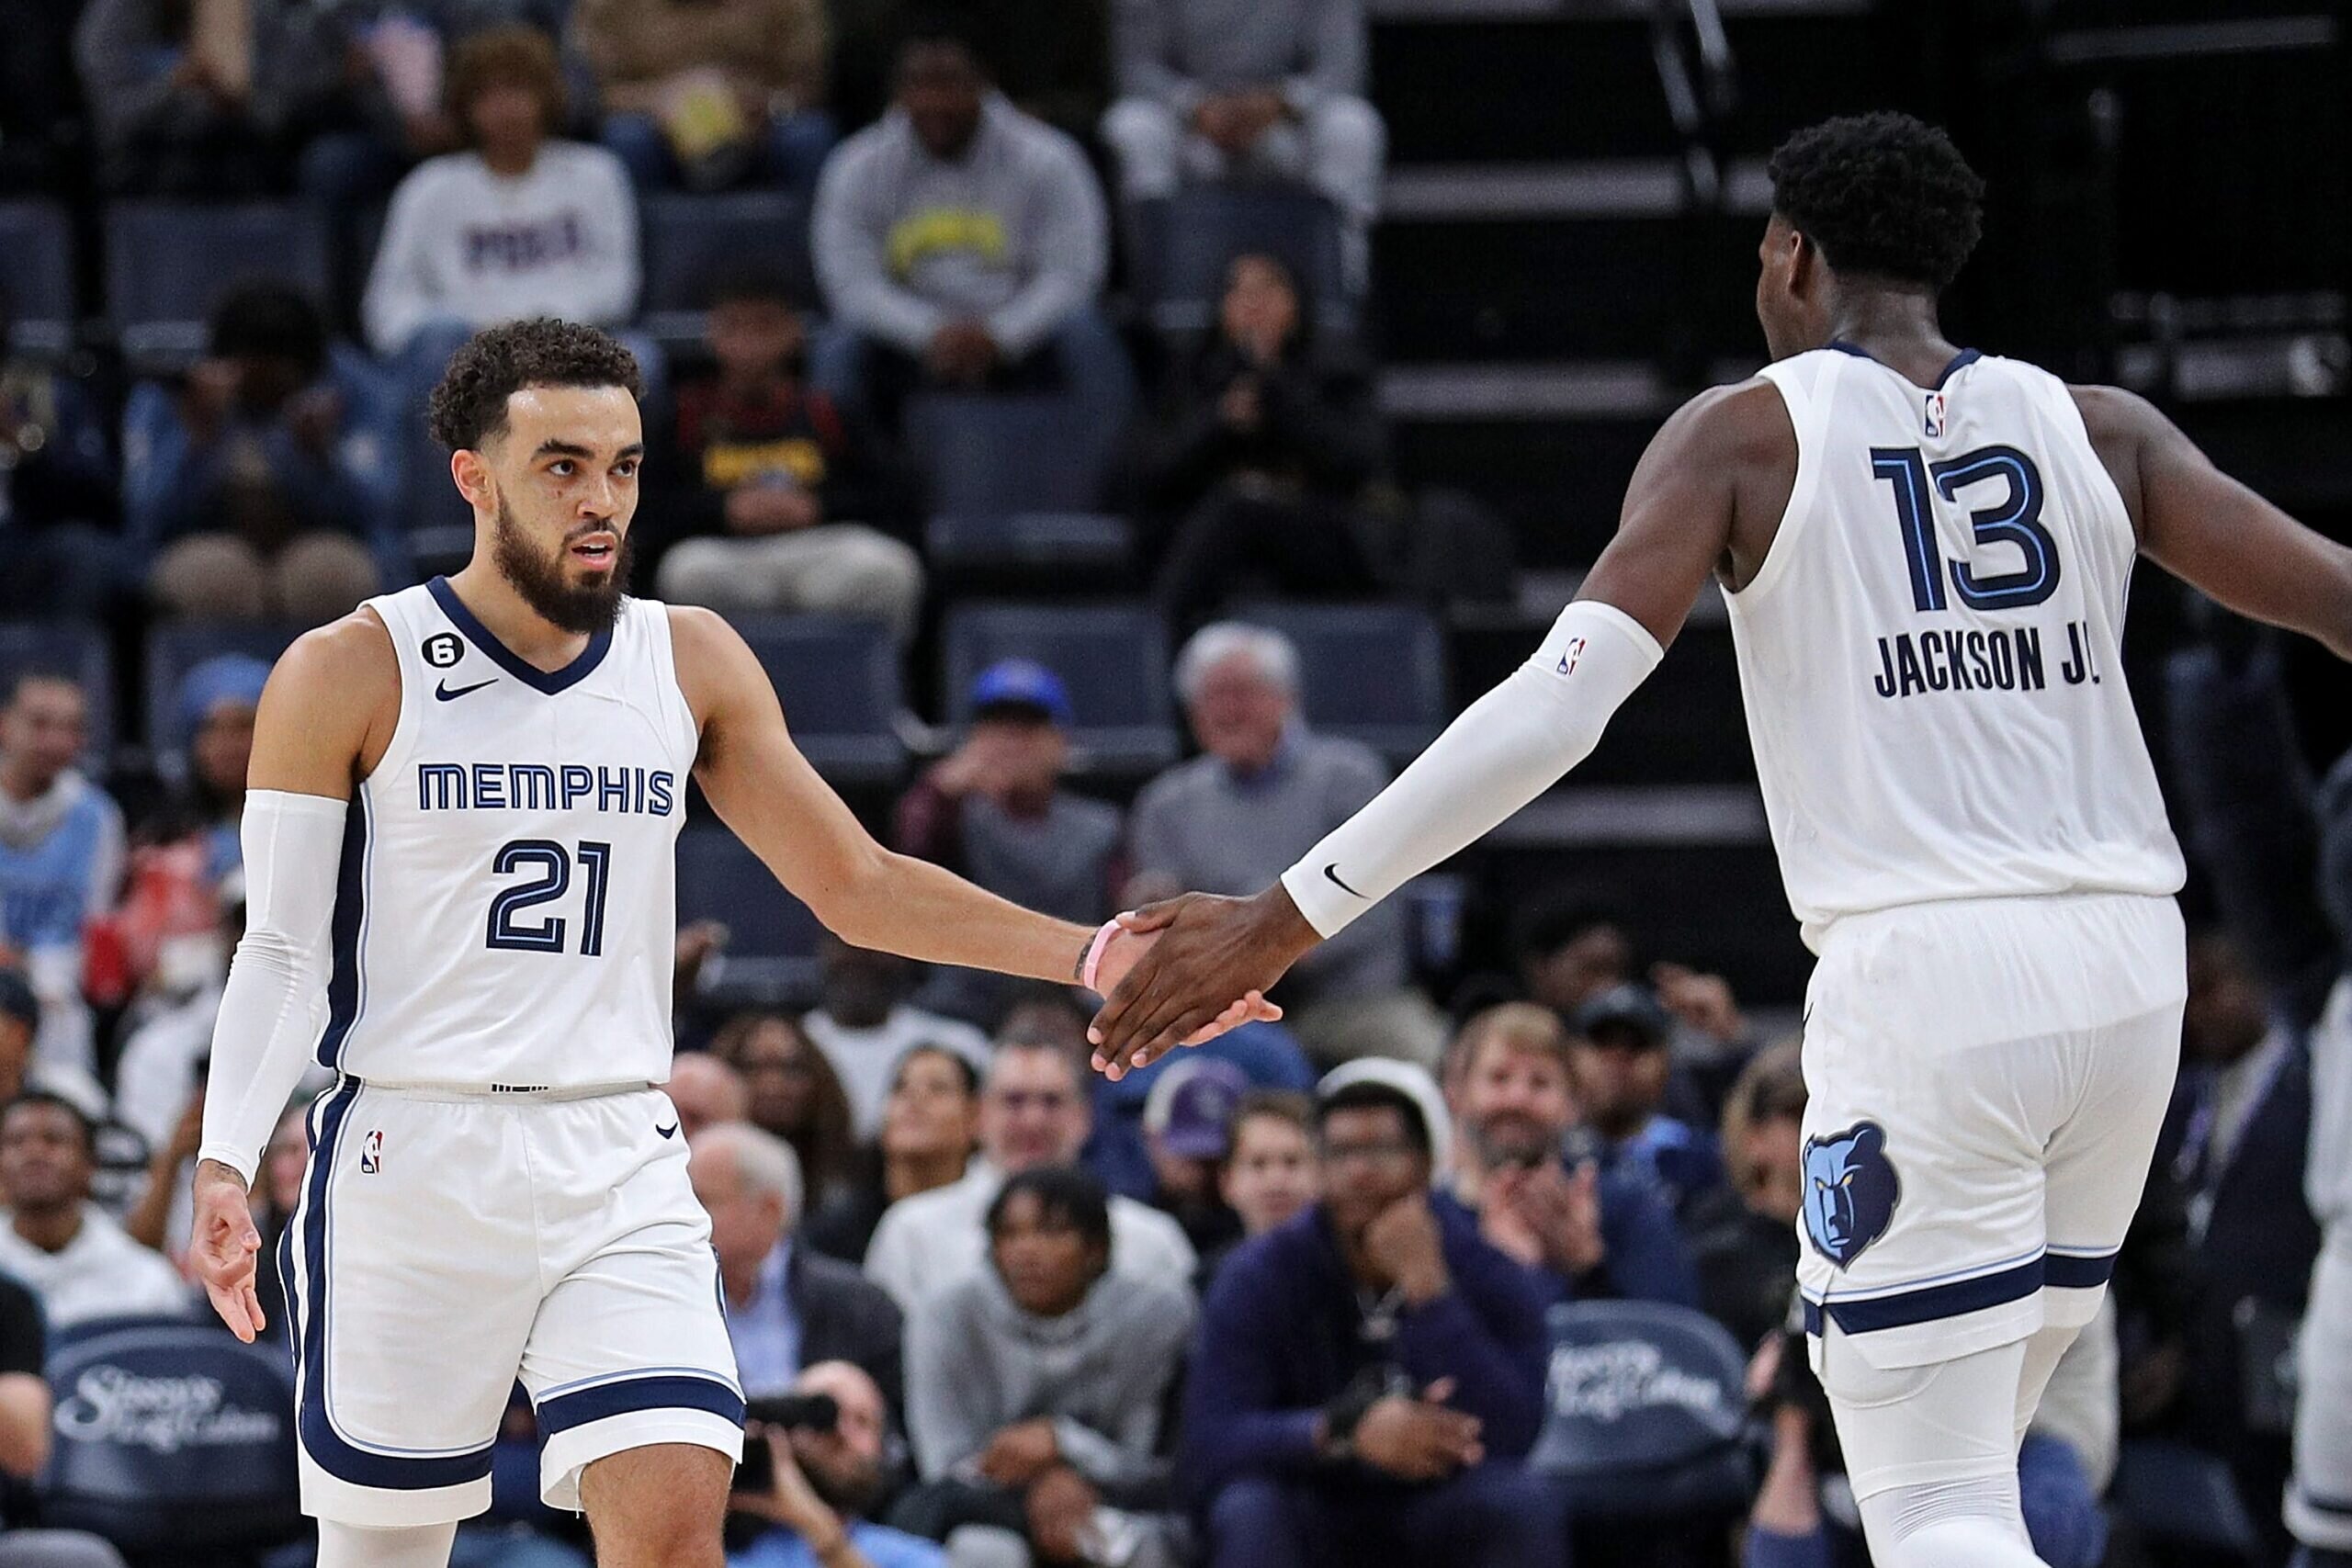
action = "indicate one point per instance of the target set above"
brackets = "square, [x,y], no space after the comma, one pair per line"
[1282,1295]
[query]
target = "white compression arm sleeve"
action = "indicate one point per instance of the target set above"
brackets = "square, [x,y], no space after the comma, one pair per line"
[1509,747]
[277,998]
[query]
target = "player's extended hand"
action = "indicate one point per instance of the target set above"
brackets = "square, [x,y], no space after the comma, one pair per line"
[1206,951]
[1127,948]
[223,1248]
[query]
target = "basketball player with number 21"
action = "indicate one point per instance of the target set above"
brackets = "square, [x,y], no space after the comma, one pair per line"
[459,857]
[1926,554]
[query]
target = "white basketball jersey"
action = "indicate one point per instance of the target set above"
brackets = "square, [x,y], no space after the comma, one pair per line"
[1930,656]
[508,912]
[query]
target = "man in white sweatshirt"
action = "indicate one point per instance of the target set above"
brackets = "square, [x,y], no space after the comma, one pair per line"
[961,243]
[520,224]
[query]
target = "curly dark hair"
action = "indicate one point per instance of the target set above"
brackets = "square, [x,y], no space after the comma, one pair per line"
[469,405]
[1882,195]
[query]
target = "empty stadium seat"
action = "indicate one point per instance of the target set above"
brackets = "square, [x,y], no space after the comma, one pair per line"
[770,954]
[168,263]
[839,682]
[71,647]
[1372,673]
[1113,659]
[37,260]
[691,242]
[1013,482]
[1200,231]
[176,648]
[171,1439]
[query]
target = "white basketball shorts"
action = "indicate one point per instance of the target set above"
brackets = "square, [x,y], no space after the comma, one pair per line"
[2319,1501]
[447,1243]
[1987,1079]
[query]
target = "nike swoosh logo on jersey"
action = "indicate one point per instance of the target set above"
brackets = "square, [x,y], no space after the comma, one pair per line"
[443,692]
[1332,871]
[668,1132]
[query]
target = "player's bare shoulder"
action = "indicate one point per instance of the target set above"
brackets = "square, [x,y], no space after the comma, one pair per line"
[717,669]
[332,704]
[2119,424]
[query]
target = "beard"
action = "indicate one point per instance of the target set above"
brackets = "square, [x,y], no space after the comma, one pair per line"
[852,1492]
[1510,1138]
[584,607]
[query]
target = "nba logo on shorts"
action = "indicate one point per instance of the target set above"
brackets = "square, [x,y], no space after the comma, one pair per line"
[371,1153]
[1849,1191]
[1933,422]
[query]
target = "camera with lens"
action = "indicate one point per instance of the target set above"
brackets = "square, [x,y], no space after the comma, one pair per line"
[786,1412]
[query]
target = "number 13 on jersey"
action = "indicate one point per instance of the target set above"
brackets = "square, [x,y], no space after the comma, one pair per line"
[2015,519]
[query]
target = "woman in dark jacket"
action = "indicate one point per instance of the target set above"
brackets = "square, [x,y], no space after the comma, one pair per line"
[1263,448]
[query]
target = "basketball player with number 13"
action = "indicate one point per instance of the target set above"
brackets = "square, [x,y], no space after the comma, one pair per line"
[1926,554]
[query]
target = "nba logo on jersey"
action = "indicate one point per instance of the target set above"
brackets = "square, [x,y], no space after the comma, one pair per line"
[371,1153]
[1933,423]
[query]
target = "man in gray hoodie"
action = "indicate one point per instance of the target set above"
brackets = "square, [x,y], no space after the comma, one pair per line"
[961,244]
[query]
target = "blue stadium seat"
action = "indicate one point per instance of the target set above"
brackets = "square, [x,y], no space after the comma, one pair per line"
[73,648]
[1201,229]
[171,1439]
[839,682]
[1113,657]
[37,260]
[1012,482]
[1372,673]
[1645,1413]
[176,648]
[693,242]
[770,954]
[168,263]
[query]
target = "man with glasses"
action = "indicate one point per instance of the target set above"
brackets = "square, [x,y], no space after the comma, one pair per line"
[1035,1110]
[1370,1374]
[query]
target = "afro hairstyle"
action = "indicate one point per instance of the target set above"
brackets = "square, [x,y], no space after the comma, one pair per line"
[1882,195]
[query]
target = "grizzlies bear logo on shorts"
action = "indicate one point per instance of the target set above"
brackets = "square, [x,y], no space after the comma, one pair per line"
[1849,1190]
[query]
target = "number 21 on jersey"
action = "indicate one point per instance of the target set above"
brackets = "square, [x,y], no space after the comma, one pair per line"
[553,863]
[2014,519]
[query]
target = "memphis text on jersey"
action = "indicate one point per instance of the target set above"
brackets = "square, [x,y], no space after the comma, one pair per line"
[1980,658]
[536,787]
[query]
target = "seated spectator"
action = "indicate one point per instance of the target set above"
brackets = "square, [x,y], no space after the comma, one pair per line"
[1539,1197]
[215,707]
[787,1307]
[930,1129]
[1212,90]
[708,94]
[1188,1133]
[994,811]
[1743,1236]
[1260,448]
[1034,1112]
[961,244]
[20,1069]
[59,515]
[1622,1072]
[706,1091]
[1271,1174]
[825,1486]
[775,499]
[262,483]
[77,1260]
[61,856]
[1267,790]
[863,1023]
[1369,1375]
[25,1440]
[204,101]
[1568,952]
[792,1092]
[1038,1384]
[518,225]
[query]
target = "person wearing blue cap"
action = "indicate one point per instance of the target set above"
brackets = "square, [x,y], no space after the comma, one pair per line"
[994,811]
[214,715]
[1623,1067]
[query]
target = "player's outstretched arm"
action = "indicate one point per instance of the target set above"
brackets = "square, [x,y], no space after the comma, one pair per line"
[765,789]
[329,706]
[1508,748]
[2211,531]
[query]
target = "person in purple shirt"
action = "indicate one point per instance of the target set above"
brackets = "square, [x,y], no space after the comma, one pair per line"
[1370,1375]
